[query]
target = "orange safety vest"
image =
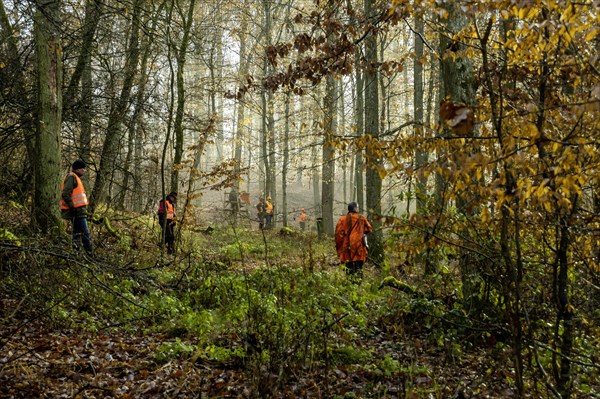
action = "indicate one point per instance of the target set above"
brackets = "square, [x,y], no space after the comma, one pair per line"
[302,217]
[269,208]
[78,196]
[170,211]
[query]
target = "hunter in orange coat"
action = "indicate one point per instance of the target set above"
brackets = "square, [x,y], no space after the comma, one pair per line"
[349,242]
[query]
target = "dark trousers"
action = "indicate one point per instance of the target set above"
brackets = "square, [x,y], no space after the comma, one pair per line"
[81,234]
[354,268]
[168,233]
[261,221]
[269,220]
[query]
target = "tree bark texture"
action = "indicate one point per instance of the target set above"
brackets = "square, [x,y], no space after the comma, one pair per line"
[46,163]
[328,161]
[374,180]
[179,113]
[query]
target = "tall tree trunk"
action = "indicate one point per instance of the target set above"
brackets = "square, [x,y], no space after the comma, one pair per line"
[19,90]
[220,111]
[565,309]
[240,131]
[110,148]
[87,92]
[328,174]
[178,128]
[420,156]
[46,163]
[329,130]
[457,85]
[137,117]
[286,159]
[374,180]
[383,100]
[93,11]
[272,181]
[342,128]
[135,142]
[268,139]
[316,176]
[359,114]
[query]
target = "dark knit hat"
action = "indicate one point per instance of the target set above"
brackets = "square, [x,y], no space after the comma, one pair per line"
[172,194]
[352,207]
[78,164]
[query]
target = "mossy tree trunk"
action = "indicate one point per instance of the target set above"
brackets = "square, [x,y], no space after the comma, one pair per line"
[46,163]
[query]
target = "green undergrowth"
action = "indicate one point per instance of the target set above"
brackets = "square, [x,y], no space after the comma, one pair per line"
[260,301]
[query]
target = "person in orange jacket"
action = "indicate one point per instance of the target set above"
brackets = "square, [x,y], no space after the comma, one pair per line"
[302,219]
[73,206]
[166,219]
[350,241]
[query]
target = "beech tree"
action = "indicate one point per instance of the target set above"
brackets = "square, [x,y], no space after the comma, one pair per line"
[373,159]
[46,162]
[187,17]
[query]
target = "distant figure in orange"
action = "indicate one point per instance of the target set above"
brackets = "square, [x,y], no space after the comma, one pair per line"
[245,197]
[350,240]
[268,213]
[302,219]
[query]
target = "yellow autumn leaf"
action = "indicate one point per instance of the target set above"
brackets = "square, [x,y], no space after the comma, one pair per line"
[381,172]
[485,216]
[591,35]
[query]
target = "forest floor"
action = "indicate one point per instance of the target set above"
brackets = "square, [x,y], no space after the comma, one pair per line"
[236,314]
[37,362]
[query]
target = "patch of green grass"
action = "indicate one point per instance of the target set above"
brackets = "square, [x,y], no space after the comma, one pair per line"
[350,355]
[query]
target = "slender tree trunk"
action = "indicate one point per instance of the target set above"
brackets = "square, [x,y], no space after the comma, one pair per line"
[565,311]
[8,36]
[329,130]
[220,109]
[134,142]
[316,176]
[342,128]
[374,180]
[87,92]
[110,148]
[328,174]
[240,131]
[457,85]
[179,113]
[420,156]
[93,11]
[383,100]
[359,112]
[46,163]
[137,118]
[286,159]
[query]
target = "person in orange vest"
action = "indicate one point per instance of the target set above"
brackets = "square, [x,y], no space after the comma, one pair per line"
[302,219]
[73,206]
[269,213]
[350,240]
[166,219]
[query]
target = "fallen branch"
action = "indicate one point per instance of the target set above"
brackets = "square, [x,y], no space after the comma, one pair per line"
[399,285]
